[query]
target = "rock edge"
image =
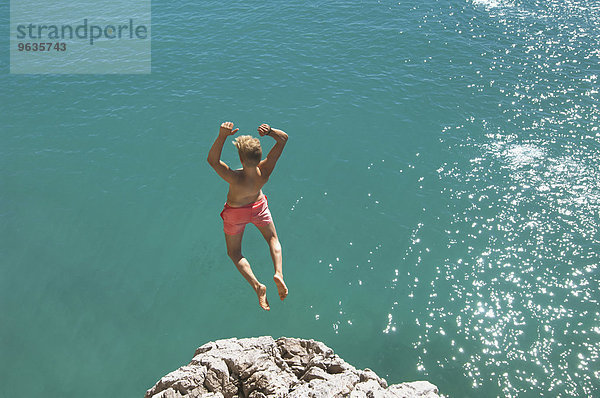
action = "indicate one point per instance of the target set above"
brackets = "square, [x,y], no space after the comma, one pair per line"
[262,367]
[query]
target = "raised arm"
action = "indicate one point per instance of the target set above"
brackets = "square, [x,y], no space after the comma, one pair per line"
[214,155]
[268,164]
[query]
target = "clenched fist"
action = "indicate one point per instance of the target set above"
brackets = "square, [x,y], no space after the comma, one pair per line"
[264,129]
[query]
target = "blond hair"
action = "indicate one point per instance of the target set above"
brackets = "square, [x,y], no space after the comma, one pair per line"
[249,149]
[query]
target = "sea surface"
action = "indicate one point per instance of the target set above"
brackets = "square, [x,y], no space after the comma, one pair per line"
[438,201]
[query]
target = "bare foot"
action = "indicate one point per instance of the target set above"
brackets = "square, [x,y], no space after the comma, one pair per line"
[281,287]
[261,292]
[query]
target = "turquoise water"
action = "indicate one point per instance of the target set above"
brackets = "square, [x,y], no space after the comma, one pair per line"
[438,202]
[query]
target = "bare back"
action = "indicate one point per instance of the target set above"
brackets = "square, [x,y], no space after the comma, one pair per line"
[246,188]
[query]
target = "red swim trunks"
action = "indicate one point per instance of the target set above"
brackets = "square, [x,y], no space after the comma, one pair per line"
[236,218]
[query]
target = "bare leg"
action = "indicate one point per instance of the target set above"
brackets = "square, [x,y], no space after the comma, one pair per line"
[270,235]
[234,251]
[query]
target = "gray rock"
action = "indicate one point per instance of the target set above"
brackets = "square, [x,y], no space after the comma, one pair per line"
[284,368]
[420,389]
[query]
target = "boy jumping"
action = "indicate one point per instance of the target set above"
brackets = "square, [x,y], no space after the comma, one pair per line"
[247,203]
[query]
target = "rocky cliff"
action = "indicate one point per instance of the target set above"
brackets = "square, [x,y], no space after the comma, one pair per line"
[262,367]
